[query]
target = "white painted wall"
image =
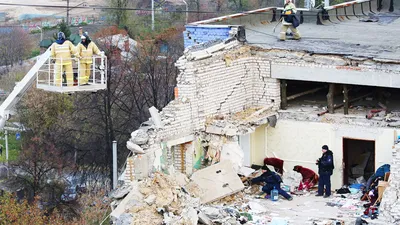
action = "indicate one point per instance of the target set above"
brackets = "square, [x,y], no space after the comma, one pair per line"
[299,143]
[244,142]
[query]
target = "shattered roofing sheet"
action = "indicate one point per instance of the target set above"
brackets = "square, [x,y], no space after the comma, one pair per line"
[352,37]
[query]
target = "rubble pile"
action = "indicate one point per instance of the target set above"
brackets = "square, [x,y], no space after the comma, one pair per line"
[241,122]
[158,200]
[390,205]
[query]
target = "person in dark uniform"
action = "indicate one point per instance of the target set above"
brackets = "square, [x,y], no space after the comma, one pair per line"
[325,171]
[271,180]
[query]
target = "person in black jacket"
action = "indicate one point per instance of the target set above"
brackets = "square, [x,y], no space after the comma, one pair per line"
[325,170]
[271,180]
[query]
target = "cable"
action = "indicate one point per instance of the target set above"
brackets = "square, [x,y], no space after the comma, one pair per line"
[275,36]
[160,10]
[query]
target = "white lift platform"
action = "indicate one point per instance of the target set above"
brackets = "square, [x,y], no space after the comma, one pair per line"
[43,72]
[46,76]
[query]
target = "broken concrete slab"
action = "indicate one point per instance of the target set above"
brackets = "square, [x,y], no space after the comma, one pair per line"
[217,181]
[231,151]
[139,137]
[136,149]
[155,116]
[121,192]
[204,219]
[124,205]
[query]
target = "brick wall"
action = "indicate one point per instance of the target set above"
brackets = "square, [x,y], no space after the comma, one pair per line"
[195,35]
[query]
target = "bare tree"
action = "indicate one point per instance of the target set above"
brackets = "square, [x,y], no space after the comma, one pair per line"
[15,46]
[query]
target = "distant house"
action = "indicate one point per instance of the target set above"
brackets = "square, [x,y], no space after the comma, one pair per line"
[122,46]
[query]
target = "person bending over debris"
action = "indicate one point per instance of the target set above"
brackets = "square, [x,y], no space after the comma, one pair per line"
[325,170]
[310,178]
[271,180]
[289,21]
[276,163]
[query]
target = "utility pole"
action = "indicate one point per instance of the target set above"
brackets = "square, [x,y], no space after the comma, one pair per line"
[115,172]
[68,12]
[6,137]
[152,14]
[41,33]
[187,10]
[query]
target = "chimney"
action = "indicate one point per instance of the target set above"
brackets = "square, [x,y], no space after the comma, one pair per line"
[80,31]
[126,44]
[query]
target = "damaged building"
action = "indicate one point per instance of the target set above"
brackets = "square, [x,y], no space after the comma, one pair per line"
[241,96]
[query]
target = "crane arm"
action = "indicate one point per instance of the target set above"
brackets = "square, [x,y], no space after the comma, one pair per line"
[7,108]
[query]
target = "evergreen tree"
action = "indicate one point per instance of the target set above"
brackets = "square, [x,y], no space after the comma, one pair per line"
[63,27]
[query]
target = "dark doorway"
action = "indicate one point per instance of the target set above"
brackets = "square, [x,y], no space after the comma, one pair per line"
[358,159]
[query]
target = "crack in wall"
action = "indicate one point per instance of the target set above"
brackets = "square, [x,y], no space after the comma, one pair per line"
[235,87]
[265,83]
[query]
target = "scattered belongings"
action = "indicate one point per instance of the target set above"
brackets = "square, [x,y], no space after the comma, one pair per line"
[217,195]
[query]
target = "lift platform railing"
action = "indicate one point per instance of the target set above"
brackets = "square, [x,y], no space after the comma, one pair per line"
[73,74]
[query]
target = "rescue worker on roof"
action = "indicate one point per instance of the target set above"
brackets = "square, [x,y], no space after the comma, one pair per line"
[62,51]
[86,49]
[289,21]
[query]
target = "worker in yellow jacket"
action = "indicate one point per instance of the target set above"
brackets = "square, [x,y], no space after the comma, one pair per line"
[86,49]
[62,51]
[289,20]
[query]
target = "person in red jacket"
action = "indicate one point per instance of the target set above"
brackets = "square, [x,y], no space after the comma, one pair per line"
[276,163]
[310,178]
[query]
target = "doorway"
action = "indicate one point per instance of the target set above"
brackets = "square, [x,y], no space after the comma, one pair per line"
[358,160]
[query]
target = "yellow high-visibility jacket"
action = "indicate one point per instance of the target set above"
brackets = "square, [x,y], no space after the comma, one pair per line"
[86,54]
[63,53]
[289,8]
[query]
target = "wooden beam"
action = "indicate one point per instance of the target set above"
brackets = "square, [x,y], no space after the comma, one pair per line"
[304,93]
[345,99]
[341,105]
[329,96]
[283,94]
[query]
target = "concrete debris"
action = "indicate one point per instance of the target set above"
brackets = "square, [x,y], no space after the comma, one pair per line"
[139,137]
[124,219]
[246,171]
[136,149]
[121,192]
[134,198]
[141,168]
[155,116]
[158,200]
[232,152]
[217,181]
[272,120]
[241,122]
[257,208]
[150,200]
[204,219]
[291,178]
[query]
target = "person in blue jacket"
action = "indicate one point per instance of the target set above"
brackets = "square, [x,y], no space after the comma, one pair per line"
[325,171]
[271,180]
[380,172]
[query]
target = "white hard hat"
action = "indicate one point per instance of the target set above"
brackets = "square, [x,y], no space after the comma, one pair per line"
[83,37]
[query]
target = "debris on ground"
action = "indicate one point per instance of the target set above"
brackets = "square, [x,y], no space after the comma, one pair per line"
[217,195]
